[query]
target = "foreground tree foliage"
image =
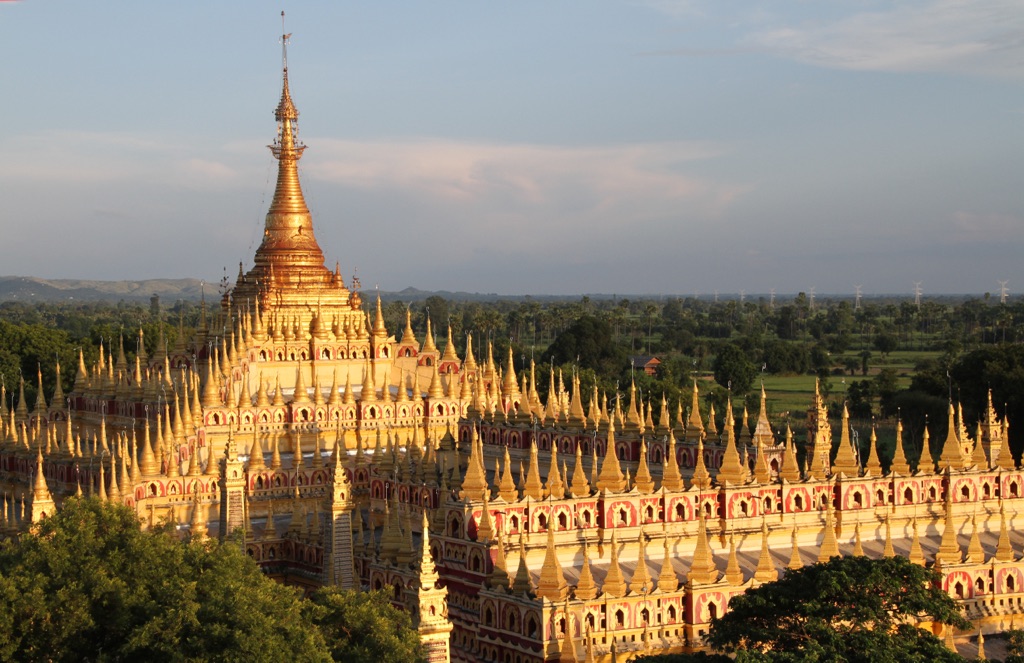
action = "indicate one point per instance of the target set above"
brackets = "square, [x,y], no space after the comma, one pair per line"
[89,585]
[364,626]
[851,609]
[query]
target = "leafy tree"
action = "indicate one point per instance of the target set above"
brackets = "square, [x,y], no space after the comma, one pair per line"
[1014,646]
[1000,368]
[850,609]
[886,385]
[886,342]
[733,369]
[89,582]
[589,342]
[363,627]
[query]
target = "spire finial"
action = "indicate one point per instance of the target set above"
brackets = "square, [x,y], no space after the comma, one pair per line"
[285,36]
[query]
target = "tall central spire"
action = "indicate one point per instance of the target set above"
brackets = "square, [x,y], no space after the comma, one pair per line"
[288,238]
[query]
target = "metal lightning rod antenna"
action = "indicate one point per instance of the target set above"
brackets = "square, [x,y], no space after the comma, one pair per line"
[284,44]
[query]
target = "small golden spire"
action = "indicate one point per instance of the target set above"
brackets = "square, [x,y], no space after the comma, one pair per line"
[795,562]
[275,453]
[668,581]
[733,572]
[586,588]
[533,488]
[731,470]
[641,582]
[952,455]
[671,477]
[555,487]
[484,529]
[790,468]
[1004,551]
[948,639]
[762,473]
[498,578]
[858,549]
[975,553]
[197,527]
[916,555]
[507,488]
[873,467]
[829,545]
[765,571]
[521,584]
[568,649]
[949,549]
[702,568]
[579,487]
[899,460]
[846,462]
[552,584]
[474,484]
[614,583]
[888,552]
[643,481]
[611,478]
[694,425]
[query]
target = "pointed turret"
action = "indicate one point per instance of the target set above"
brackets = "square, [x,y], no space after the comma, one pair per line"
[795,562]
[579,487]
[498,578]
[899,460]
[731,470]
[671,477]
[888,551]
[586,588]
[949,549]
[873,467]
[952,455]
[507,488]
[42,500]
[643,481]
[790,468]
[474,485]
[846,461]
[975,553]
[765,571]
[522,584]
[614,584]
[694,424]
[668,581]
[641,582]
[829,545]
[552,584]
[916,555]
[1004,551]
[611,478]
[702,567]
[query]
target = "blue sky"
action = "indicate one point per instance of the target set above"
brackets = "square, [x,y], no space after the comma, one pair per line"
[661,146]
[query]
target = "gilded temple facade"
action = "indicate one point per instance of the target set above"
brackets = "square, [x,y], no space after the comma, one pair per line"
[513,529]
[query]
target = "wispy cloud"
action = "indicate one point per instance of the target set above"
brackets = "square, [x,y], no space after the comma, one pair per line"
[973,227]
[977,37]
[542,191]
[81,157]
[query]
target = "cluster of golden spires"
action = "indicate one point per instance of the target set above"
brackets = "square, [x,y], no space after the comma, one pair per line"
[161,432]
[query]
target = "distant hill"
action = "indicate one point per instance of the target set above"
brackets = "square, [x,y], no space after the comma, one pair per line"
[32,289]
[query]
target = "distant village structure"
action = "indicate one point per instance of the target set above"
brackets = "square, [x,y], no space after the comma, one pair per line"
[513,529]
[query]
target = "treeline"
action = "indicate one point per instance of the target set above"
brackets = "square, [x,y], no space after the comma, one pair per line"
[733,341]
